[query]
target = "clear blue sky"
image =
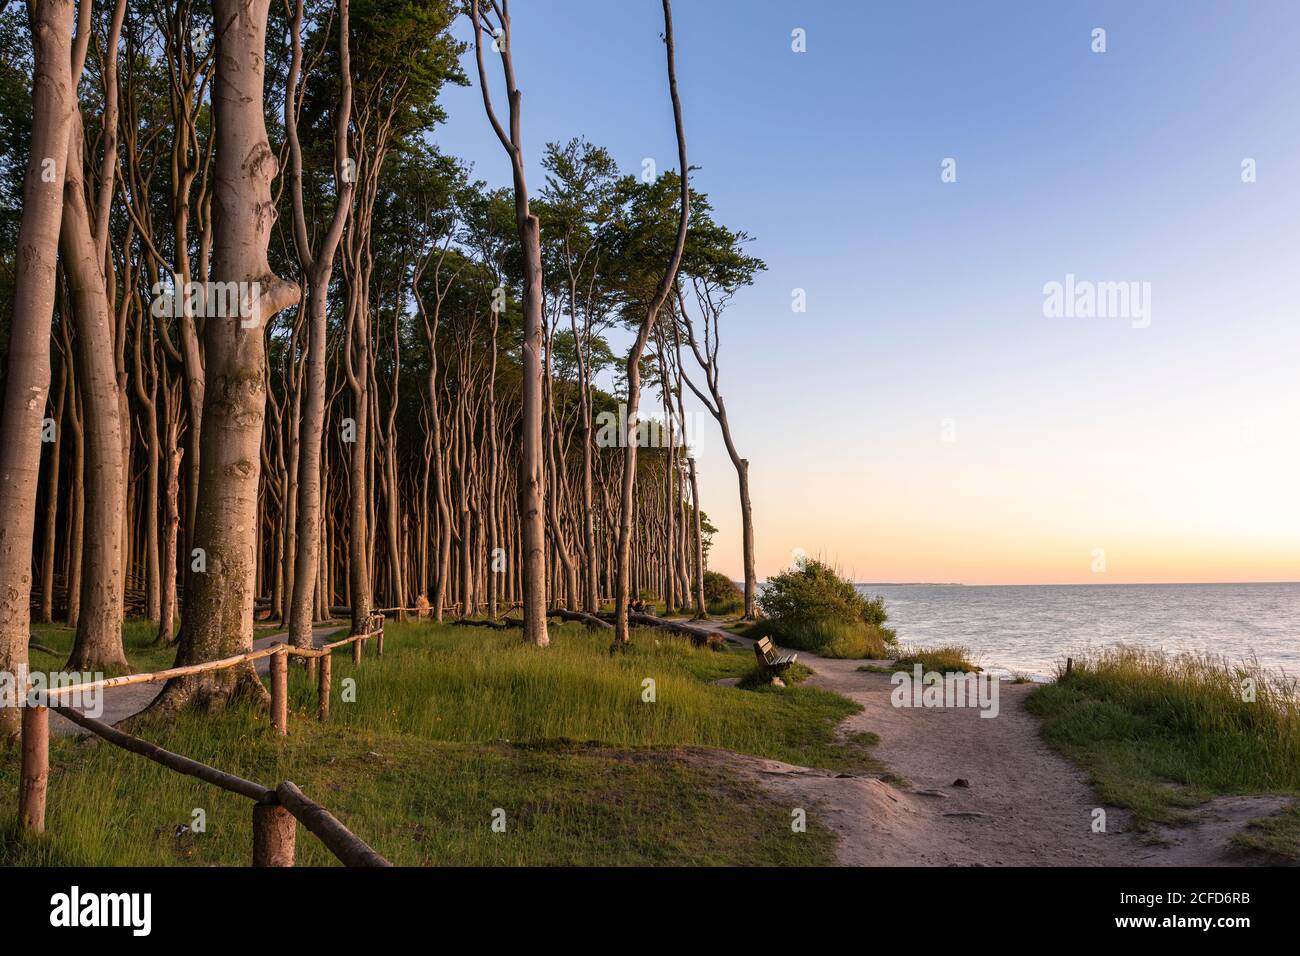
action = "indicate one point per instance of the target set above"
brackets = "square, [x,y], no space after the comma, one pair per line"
[1175,449]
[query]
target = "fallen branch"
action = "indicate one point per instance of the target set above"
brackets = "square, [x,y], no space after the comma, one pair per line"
[172,761]
[589,619]
[699,636]
[505,625]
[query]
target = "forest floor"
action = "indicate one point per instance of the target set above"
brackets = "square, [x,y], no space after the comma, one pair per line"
[1020,802]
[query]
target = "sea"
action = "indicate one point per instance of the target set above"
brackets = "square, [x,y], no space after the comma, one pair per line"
[1030,630]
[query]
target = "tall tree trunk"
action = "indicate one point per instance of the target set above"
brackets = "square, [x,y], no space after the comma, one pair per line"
[531,489]
[149,409]
[697,549]
[52,501]
[218,618]
[28,379]
[624,557]
[76,503]
[171,521]
[98,644]
[319,268]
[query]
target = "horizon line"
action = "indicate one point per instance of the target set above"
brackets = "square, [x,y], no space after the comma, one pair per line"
[1055,584]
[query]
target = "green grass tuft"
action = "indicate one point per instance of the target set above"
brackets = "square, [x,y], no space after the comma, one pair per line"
[1277,836]
[137,640]
[945,660]
[1162,733]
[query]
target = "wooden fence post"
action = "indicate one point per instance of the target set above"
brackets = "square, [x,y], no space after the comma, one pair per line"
[356,651]
[35,769]
[274,832]
[280,692]
[379,641]
[324,686]
[311,668]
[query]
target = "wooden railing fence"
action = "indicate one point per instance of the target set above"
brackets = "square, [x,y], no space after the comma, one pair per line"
[275,811]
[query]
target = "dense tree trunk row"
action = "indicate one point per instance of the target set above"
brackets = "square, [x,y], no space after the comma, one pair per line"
[307,367]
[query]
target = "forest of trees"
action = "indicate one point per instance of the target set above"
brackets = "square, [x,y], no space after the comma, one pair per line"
[271,354]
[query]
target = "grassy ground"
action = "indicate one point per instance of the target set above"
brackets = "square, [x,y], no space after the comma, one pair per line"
[1160,734]
[1277,836]
[453,724]
[137,640]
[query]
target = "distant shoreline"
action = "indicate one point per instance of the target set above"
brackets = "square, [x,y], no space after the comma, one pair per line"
[912,584]
[1071,584]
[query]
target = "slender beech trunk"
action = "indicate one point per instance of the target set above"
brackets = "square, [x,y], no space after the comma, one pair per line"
[52,501]
[77,500]
[532,490]
[149,408]
[698,548]
[28,379]
[621,634]
[172,452]
[98,644]
[319,268]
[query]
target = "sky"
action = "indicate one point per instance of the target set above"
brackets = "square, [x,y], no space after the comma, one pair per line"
[928,417]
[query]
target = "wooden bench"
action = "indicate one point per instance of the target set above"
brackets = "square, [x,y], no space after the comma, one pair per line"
[769,661]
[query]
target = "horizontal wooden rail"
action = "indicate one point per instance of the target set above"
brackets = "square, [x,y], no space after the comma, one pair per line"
[340,841]
[154,677]
[274,811]
[189,670]
[173,761]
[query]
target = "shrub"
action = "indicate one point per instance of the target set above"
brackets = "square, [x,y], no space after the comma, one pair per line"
[721,595]
[810,607]
[719,587]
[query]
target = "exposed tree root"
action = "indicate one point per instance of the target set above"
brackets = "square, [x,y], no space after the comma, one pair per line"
[208,693]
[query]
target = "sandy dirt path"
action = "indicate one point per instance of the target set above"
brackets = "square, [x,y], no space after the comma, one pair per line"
[123,702]
[1023,803]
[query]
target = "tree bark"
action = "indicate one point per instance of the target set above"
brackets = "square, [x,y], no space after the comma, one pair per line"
[98,644]
[218,619]
[52,502]
[532,490]
[28,378]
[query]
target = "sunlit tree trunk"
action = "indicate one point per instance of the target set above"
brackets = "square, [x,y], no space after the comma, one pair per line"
[28,379]
[218,618]
[98,644]
[318,266]
[532,520]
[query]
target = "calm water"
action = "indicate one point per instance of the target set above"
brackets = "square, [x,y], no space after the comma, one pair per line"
[1029,629]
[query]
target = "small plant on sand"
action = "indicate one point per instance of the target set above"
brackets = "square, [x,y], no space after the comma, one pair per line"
[945,660]
[811,607]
